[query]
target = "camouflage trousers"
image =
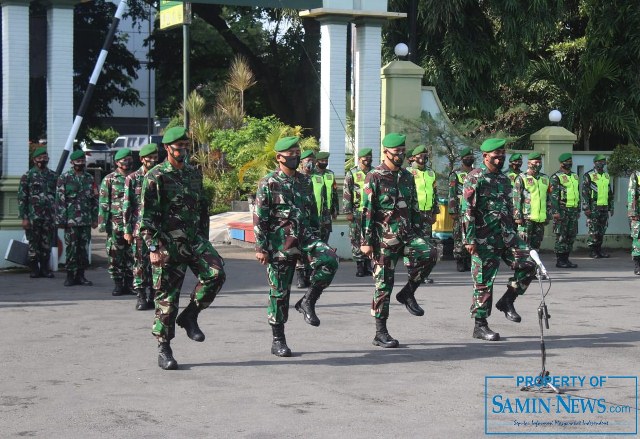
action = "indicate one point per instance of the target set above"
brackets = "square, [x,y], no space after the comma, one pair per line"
[141,265]
[426,230]
[322,260]
[119,257]
[484,268]
[635,235]
[39,236]
[325,231]
[597,224]
[459,250]
[532,233]
[205,263]
[76,242]
[566,229]
[419,258]
[355,231]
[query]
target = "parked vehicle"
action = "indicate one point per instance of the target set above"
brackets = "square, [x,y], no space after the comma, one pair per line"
[98,154]
[135,142]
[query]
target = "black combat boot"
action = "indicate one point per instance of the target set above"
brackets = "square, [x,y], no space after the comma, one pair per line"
[44,268]
[382,338]
[165,356]
[367,267]
[568,262]
[70,280]
[302,278]
[307,305]
[406,296]
[81,280]
[128,286]
[118,289]
[188,319]
[461,266]
[505,304]
[601,254]
[427,280]
[593,253]
[35,270]
[636,270]
[279,346]
[151,302]
[467,264]
[360,270]
[561,262]
[141,303]
[483,332]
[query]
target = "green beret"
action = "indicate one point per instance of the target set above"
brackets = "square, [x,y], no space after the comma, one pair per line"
[147,149]
[534,155]
[465,152]
[305,154]
[286,143]
[173,134]
[122,153]
[490,145]
[75,155]
[418,150]
[514,157]
[393,140]
[39,151]
[364,152]
[322,155]
[564,157]
[599,157]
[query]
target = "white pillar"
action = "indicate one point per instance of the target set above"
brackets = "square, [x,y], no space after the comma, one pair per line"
[367,65]
[15,87]
[333,95]
[59,77]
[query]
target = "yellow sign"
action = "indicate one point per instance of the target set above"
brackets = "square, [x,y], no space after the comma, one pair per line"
[172,13]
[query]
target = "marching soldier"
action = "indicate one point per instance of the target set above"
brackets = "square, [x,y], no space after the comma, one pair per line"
[111,220]
[489,234]
[633,212]
[391,229]
[456,180]
[132,204]
[324,180]
[352,205]
[515,166]
[174,225]
[36,207]
[565,207]
[531,203]
[597,203]
[286,226]
[77,214]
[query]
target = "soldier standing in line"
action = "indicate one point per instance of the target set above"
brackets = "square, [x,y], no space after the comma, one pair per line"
[531,202]
[391,229]
[132,204]
[489,234]
[633,212]
[456,180]
[174,225]
[597,203]
[307,168]
[352,195]
[427,191]
[286,226]
[565,208]
[111,220]
[324,180]
[77,214]
[36,203]
[515,166]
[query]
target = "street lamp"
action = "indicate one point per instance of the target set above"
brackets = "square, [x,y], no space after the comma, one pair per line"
[401,50]
[555,116]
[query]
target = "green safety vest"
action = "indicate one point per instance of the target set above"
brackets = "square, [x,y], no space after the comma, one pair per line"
[602,182]
[537,188]
[358,180]
[320,182]
[461,176]
[570,182]
[424,187]
[512,176]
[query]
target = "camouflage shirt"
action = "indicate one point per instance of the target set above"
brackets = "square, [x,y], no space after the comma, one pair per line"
[390,215]
[558,195]
[132,201]
[488,210]
[633,195]
[111,209]
[522,196]
[37,195]
[285,216]
[76,199]
[456,179]
[590,192]
[351,191]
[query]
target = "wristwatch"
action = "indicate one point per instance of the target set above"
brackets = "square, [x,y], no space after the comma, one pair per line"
[152,248]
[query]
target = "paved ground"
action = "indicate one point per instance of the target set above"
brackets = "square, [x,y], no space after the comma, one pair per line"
[77,362]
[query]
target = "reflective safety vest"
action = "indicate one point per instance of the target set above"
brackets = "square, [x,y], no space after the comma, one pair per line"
[320,182]
[602,183]
[512,176]
[570,183]
[461,175]
[537,188]
[424,187]
[358,180]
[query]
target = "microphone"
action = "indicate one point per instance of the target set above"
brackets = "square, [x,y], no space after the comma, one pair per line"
[536,258]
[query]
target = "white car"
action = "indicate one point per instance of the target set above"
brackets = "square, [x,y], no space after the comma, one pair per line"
[98,153]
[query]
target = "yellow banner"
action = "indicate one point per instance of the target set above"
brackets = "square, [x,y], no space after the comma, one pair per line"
[171,13]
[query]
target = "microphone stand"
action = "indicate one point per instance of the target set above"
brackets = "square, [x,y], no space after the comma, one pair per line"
[542,383]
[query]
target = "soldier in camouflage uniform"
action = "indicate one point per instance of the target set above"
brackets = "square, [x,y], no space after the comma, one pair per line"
[597,204]
[352,207]
[489,234]
[111,220]
[174,224]
[307,168]
[77,214]
[36,202]
[515,166]
[391,229]
[633,212]
[456,180]
[531,202]
[324,180]
[132,204]
[565,208]
[286,226]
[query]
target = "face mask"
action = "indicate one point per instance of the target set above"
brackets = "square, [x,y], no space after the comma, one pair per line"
[567,165]
[181,154]
[149,163]
[308,166]
[292,161]
[498,162]
[535,168]
[396,159]
[599,166]
[42,164]
[124,164]
[322,165]
[366,163]
[79,167]
[421,162]
[515,166]
[467,162]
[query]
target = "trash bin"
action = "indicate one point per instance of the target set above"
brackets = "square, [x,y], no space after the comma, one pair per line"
[443,232]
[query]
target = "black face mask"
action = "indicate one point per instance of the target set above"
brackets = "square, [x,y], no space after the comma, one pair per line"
[421,162]
[567,165]
[42,164]
[79,168]
[396,159]
[498,162]
[467,162]
[148,164]
[535,168]
[308,166]
[125,165]
[291,162]
[366,163]
[181,154]
[515,166]
[599,167]
[322,165]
